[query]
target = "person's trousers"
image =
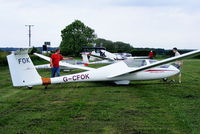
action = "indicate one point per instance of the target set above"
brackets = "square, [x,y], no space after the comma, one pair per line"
[55,71]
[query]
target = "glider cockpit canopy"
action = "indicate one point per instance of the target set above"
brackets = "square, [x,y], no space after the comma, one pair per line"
[142,62]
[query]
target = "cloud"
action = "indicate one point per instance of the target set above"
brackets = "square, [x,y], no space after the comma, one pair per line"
[158,3]
[143,24]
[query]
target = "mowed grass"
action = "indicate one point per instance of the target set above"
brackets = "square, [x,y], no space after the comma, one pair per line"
[147,107]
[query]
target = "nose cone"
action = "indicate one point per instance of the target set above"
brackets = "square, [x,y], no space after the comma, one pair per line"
[176,70]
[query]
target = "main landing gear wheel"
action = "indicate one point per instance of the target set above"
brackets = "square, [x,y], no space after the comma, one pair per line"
[30,87]
[165,79]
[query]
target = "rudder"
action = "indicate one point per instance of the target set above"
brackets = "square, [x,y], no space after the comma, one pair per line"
[85,58]
[22,70]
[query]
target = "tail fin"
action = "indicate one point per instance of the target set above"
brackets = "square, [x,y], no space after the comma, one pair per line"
[22,70]
[85,58]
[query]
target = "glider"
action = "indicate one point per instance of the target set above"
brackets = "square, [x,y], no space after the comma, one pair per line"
[24,73]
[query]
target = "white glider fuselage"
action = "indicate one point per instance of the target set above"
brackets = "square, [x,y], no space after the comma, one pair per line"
[103,73]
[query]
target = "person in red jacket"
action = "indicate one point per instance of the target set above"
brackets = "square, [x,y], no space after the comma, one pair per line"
[151,55]
[54,63]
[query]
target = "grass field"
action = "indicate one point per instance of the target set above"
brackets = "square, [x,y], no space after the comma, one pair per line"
[147,107]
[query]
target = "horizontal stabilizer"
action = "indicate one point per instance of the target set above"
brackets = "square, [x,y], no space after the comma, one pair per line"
[21,51]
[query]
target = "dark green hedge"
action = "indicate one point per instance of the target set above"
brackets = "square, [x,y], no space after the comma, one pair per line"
[3,60]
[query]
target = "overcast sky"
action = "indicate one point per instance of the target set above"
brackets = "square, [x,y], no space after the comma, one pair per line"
[142,23]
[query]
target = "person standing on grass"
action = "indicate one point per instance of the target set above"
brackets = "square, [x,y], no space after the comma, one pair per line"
[54,63]
[151,55]
[178,64]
